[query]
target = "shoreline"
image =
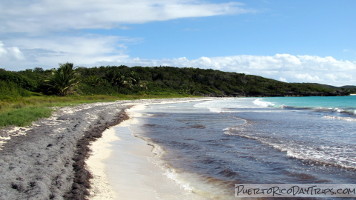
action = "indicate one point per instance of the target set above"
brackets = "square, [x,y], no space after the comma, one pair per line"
[42,161]
[82,175]
[129,167]
[47,159]
[100,151]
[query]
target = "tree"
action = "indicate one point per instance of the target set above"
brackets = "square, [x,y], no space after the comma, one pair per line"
[63,80]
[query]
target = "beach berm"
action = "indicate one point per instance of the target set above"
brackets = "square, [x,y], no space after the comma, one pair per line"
[47,159]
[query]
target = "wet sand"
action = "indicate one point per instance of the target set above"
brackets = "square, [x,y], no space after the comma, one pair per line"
[47,160]
[132,169]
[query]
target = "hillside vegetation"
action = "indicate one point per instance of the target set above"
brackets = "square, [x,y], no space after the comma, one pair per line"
[114,80]
[28,95]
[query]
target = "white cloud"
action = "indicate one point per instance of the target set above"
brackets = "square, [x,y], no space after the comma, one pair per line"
[51,15]
[283,67]
[46,32]
[108,50]
[43,33]
[307,77]
[48,52]
[10,53]
[282,79]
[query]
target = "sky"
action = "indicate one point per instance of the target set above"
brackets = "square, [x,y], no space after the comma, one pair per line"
[287,40]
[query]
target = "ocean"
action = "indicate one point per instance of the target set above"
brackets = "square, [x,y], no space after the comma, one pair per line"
[207,147]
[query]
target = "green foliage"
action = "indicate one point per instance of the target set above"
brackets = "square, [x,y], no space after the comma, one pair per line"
[22,111]
[114,80]
[191,81]
[18,79]
[63,80]
[23,116]
[22,99]
[10,91]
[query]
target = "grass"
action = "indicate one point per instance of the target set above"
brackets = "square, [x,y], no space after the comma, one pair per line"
[23,111]
[23,116]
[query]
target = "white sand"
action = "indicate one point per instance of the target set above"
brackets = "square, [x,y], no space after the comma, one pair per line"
[126,167]
[36,161]
[101,189]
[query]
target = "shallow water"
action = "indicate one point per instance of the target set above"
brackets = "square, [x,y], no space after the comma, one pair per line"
[207,147]
[135,171]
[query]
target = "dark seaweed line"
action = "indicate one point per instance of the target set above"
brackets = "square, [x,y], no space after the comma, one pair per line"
[81,184]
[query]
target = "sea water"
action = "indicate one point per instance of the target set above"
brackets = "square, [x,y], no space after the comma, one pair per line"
[207,147]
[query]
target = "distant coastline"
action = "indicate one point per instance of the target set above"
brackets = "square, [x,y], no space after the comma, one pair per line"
[163,80]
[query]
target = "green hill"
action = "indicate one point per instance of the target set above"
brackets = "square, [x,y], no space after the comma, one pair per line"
[350,88]
[113,80]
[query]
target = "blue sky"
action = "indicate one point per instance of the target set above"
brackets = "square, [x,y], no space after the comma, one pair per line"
[323,28]
[287,40]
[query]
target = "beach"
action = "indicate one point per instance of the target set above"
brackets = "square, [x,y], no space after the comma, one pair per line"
[191,148]
[201,149]
[47,159]
[128,167]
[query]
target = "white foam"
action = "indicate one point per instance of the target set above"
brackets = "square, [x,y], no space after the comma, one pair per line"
[322,154]
[350,119]
[228,105]
[262,103]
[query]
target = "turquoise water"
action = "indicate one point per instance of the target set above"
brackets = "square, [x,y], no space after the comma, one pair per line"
[342,104]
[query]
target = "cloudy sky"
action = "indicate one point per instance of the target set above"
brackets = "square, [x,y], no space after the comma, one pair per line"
[288,40]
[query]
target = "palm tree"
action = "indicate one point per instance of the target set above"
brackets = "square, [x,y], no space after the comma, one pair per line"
[63,80]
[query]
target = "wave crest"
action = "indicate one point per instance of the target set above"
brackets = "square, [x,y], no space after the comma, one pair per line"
[262,103]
